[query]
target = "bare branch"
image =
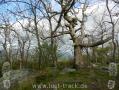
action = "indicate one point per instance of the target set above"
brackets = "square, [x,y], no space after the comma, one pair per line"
[96,43]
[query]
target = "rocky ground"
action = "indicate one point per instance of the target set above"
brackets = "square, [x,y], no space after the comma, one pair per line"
[15,77]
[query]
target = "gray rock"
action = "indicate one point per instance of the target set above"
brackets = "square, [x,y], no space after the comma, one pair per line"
[66,70]
[15,77]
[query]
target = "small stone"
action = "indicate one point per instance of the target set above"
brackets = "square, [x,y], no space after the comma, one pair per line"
[69,70]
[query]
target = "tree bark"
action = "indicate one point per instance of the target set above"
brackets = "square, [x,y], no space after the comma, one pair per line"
[78,57]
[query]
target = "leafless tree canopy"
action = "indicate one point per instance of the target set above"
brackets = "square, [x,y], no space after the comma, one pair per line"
[45,22]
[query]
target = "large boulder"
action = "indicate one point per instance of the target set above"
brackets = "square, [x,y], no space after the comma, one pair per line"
[15,77]
[5,67]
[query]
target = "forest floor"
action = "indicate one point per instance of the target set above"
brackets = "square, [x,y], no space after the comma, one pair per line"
[84,79]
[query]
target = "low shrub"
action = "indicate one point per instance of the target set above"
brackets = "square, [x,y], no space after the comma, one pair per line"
[65,64]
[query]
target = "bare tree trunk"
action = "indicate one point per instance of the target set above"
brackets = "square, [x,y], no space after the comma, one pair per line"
[54,53]
[37,34]
[113,31]
[78,57]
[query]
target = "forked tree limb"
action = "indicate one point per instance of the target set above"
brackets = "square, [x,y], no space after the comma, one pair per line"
[116,1]
[100,42]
